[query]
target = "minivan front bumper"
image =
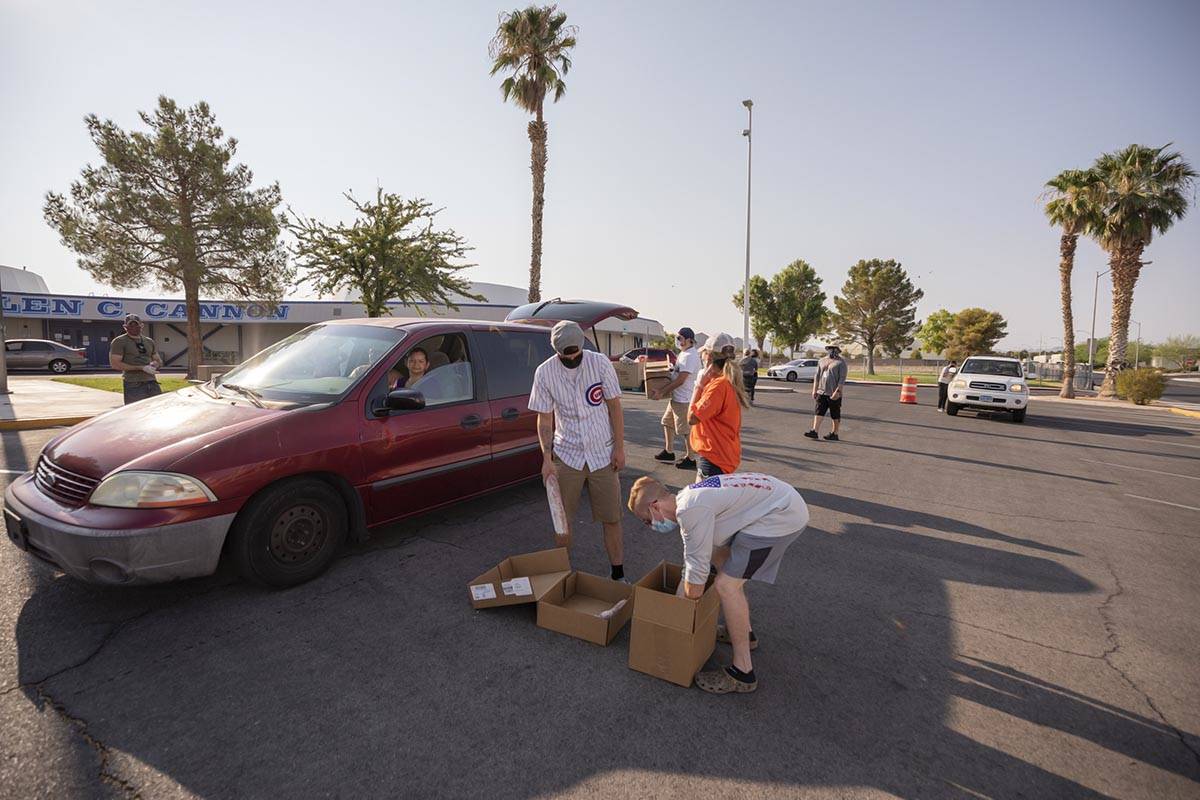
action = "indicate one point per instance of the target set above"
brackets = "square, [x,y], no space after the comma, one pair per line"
[123,556]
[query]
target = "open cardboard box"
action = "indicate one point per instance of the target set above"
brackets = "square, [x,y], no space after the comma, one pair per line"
[657,375]
[672,636]
[520,579]
[574,604]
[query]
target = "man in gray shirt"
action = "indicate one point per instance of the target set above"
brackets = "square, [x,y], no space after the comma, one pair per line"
[827,391]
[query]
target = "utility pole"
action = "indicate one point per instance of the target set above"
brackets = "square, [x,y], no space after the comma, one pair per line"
[1092,338]
[1137,348]
[749,104]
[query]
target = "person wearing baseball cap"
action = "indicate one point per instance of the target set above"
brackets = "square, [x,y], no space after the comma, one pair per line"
[678,393]
[581,431]
[827,391]
[715,413]
[137,358]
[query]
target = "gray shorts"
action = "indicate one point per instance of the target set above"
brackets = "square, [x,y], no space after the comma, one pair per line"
[756,557]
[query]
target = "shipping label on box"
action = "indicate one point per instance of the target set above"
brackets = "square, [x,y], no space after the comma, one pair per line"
[519,579]
[587,607]
[672,636]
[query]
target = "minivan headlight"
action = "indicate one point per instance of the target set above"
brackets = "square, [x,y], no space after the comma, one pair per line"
[958,384]
[150,490]
[1017,387]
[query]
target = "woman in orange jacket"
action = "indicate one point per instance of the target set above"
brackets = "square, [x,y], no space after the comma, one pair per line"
[715,413]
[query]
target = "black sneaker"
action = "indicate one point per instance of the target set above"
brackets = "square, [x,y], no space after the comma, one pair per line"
[811,434]
[831,437]
[665,455]
[687,463]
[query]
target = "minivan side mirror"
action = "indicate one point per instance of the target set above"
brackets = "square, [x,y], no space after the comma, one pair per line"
[402,400]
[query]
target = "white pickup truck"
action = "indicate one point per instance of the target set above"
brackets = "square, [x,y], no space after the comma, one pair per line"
[989,383]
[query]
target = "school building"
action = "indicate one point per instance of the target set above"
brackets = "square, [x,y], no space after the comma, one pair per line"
[234,331]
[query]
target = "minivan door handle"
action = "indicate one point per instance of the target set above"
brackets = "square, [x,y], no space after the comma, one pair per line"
[471,421]
[510,414]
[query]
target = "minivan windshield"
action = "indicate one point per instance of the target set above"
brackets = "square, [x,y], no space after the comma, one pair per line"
[315,365]
[987,366]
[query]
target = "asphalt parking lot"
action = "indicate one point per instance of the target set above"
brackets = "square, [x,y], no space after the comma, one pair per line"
[978,608]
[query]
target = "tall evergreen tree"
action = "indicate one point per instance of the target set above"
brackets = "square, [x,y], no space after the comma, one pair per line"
[799,304]
[877,308]
[169,208]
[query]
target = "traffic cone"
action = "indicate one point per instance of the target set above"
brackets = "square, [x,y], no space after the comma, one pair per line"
[908,390]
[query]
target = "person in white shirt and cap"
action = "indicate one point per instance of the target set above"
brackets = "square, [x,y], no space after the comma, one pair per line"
[740,524]
[581,431]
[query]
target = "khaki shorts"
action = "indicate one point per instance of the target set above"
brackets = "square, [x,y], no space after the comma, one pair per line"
[676,418]
[604,490]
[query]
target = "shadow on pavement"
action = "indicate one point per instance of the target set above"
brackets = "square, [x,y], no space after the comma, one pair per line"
[379,679]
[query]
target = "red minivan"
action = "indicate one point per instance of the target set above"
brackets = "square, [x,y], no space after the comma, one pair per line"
[316,439]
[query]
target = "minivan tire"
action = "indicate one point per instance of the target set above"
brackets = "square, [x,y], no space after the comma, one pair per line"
[1019,415]
[289,533]
[952,408]
[60,366]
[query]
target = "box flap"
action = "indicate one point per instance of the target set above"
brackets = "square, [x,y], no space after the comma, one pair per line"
[655,600]
[524,578]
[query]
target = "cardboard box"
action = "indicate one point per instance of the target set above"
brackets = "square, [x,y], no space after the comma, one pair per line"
[629,374]
[672,636]
[657,374]
[520,579]
[574,604]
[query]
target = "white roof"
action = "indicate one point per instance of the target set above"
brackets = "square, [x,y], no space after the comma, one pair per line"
[13,279]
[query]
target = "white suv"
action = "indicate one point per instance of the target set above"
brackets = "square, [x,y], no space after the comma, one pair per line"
[989,383]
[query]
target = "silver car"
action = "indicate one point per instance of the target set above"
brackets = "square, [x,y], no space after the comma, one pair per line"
[42,354]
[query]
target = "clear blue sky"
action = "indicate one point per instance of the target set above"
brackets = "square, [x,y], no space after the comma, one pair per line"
[918,131]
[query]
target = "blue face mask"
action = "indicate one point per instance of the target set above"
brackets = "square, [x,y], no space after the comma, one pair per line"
[663,525]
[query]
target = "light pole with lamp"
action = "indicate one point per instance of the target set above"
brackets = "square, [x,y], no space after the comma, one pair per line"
[1137,347]
[749,104]
[1092,338]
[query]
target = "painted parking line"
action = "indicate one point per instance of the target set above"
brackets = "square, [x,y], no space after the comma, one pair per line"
[1142,469]
[1164,502]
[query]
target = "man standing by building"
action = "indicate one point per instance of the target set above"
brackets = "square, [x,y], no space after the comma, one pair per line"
[581,431]
[944,379]
[739,524]
[137,358]
[827,391]
[679,393]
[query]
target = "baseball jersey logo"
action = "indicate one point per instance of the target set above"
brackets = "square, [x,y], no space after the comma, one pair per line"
[595,394]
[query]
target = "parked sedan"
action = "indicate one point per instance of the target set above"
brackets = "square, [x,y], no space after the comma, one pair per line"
[639,355]
[799,369]
[278,462]
[42,354]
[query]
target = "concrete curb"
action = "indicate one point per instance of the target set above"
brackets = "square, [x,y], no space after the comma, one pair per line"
[38,424]
[1187,412]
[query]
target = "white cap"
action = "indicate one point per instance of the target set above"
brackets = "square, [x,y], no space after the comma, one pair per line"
[722,344]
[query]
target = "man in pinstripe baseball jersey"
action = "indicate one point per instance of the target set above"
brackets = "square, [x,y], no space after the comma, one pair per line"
[582,433]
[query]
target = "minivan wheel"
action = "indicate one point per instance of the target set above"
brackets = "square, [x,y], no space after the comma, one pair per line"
[791,376]
[60,366]
[289,534]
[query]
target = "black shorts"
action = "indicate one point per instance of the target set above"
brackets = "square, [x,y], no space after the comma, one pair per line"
[827,403]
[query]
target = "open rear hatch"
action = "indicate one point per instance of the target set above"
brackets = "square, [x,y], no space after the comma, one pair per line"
[587,313]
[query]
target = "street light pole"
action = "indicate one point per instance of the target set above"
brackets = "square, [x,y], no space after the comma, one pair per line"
[1137,348]
[1092,338]
[749,104]
[4,342]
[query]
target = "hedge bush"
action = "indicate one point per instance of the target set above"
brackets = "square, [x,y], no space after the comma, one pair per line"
[1140,385]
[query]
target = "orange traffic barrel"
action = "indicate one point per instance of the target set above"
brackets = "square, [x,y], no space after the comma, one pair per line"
[908,390]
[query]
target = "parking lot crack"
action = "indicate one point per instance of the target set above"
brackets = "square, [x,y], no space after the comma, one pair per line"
[1114,641]
[1033,642]
[81,727]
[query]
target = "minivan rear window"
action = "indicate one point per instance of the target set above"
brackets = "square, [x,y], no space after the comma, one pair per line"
[987,366]
[315,365]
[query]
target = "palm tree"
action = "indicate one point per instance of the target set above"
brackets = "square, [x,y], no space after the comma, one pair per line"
[1142,191]
[533,45]
[1070,204]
